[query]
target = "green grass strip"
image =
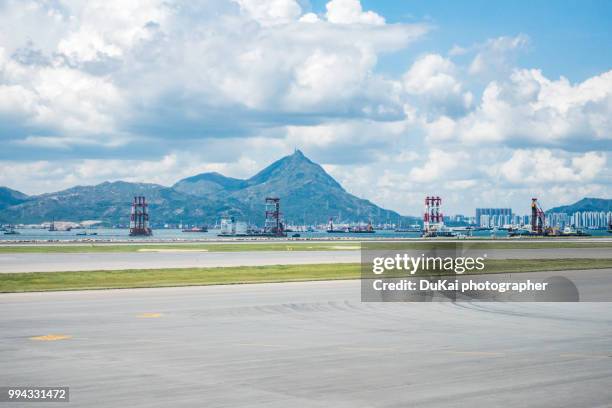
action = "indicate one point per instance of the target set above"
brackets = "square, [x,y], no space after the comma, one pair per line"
[150,278]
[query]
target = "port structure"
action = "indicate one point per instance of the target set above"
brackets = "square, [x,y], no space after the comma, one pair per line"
[538,218]
[273,225]
[432,218]
[139,218]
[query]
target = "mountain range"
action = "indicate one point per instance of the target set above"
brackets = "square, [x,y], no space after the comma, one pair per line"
[10,197]
[586,204]
[308,195]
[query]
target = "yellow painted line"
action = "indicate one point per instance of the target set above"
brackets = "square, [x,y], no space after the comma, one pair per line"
[51,337]
[149,315]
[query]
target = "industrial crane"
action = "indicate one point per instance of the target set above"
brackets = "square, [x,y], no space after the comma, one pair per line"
[538,218]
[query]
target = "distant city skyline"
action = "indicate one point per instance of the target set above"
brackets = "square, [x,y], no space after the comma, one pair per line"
[485,104]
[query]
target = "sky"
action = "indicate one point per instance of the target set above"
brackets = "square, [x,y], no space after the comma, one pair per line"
[485,104]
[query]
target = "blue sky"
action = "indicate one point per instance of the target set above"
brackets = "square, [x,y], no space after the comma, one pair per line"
[569,38]
[484,103]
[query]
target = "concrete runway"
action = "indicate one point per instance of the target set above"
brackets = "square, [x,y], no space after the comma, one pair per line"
[308,344]
[37,262]
[41,262]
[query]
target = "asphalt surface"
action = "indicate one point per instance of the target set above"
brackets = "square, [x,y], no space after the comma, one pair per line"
[51,262]
[308,344]
[39,262]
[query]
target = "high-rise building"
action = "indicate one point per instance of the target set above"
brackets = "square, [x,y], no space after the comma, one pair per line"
[497,217]
[590,219]
[485,221]
[558,220]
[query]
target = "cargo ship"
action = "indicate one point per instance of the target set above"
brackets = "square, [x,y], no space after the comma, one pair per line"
[438,233]
[85,233]
[573,232]
[10,230]
[411,228]
[335,230]
[362,229]
[232,228]
[196,229]
[355,229]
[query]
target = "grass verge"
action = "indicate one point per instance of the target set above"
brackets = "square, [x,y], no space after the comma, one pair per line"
[150,278]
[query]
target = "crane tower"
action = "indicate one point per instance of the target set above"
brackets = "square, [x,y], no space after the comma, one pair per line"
[433,219]
[139,218]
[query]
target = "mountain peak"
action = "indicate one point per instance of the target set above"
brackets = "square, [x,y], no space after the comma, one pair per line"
[296,167]
[10,197]
[308,194]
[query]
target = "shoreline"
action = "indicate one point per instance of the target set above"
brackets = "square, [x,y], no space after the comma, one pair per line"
[102,241]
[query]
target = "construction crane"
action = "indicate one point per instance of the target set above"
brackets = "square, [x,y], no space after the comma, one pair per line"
[139,218]
[433,219]
[538,218]
[273,224]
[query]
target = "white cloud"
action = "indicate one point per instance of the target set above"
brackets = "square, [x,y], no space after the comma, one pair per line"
[129,71]
[589,165]
[271,12]
[350,12]
[107,28]
[497,54]
[43,176]
[344,142]
[540,166]
[532,109]
[328,76]
[433,79]
[309,18]
[431,73]
[457,50]
[440,129]
[60,99]
[461,185]
[230,85]
[440,166]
